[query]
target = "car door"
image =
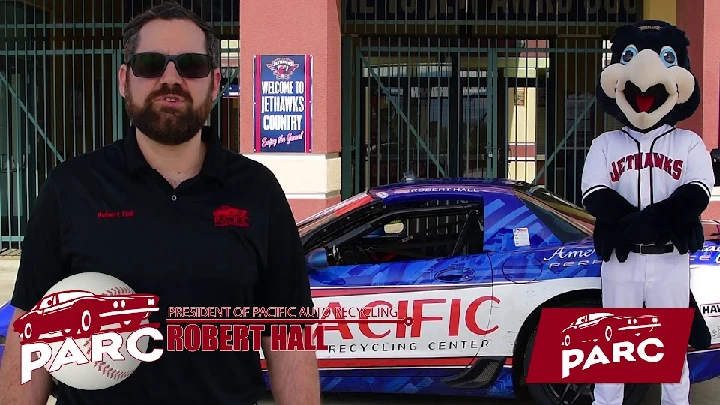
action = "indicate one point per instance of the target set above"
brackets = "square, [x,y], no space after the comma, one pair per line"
[512,235]
[704,281]
[418,276]
[522,231]
[705,278]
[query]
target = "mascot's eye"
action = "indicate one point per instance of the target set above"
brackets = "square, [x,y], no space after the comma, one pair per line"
[668,56]
[628,54]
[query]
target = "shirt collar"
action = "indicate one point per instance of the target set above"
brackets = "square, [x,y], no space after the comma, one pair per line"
[213,165]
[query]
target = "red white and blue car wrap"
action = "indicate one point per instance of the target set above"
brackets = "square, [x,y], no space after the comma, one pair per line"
[472,262]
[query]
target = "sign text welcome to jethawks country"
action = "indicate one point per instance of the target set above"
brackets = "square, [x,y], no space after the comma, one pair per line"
[283,103]
[610,11]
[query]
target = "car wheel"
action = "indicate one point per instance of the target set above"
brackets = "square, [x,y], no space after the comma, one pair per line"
[27,332]
[86,321]
[574,394]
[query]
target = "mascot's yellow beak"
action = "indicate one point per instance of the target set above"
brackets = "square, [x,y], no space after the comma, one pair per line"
[645,88]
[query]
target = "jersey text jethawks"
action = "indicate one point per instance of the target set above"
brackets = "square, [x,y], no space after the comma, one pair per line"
[645,160]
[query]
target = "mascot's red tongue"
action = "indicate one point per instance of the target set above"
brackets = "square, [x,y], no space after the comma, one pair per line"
[644,102]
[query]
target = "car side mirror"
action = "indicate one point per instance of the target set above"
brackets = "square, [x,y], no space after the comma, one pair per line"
[317,259]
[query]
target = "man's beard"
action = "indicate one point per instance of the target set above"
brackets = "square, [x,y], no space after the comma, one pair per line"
[169,125]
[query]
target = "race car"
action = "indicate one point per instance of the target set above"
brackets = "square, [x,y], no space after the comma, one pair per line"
[471,262]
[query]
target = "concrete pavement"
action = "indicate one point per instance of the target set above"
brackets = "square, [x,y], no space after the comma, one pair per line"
[706,393]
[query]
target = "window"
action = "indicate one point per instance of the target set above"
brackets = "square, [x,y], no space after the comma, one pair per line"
[47,302]
[312,223]
[339,220]
[564,231]
[414,233]
[567,221]
[69,296]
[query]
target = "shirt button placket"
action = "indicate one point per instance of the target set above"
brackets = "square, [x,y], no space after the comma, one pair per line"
[172,210]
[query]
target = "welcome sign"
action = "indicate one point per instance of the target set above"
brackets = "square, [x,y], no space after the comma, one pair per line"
[283,103]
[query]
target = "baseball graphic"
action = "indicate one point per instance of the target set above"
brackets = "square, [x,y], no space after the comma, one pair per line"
[94,375]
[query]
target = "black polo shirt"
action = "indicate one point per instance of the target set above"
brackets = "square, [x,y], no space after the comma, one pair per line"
[109,211]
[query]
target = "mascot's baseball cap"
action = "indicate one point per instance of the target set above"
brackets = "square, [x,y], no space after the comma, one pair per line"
[655,25]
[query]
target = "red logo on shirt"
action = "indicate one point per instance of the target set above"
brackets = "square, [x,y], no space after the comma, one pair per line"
[231,216]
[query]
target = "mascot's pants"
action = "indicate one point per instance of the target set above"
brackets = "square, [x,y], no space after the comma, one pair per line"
[659,281]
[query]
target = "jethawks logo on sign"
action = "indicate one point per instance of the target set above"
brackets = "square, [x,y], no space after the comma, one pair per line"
[283,68]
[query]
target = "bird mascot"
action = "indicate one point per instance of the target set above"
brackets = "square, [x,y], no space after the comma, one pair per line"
[648,183]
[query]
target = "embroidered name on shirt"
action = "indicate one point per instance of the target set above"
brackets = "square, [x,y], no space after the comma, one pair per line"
[639,161]
[116,214]
[231,216]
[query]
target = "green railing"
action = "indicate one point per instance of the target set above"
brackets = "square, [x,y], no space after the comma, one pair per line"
[58,88]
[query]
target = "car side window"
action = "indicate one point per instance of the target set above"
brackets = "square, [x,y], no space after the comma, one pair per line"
[47,302]
[410,235]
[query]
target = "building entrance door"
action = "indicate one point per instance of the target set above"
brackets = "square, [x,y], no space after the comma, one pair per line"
[428,110]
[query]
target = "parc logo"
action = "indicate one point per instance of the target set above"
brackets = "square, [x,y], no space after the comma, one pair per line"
[610,345]
[89,331]
[92,331]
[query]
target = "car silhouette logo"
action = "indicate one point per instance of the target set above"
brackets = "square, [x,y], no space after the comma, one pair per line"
[81,314]
[596,327]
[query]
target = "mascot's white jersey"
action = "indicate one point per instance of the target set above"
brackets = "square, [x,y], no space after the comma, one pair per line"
[646,168]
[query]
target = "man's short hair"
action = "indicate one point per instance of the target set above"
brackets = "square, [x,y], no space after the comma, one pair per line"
[169,10]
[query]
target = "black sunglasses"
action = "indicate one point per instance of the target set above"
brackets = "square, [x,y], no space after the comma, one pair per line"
[153,64]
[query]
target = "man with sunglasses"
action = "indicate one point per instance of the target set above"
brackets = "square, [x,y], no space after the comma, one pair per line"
[200,226]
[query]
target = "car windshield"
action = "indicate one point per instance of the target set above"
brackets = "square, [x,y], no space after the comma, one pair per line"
[567,221]
[596,316]
[313,222]
[72,295]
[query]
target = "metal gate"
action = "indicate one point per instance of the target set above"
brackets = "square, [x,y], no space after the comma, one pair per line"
[460,94]
[426,107]
[58,88]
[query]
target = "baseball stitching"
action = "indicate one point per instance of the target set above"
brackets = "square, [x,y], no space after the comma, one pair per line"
[104,368]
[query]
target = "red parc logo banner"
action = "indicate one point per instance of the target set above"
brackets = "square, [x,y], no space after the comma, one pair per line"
[610,345]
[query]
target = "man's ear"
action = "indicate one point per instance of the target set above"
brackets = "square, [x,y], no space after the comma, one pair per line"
[122,79]
[217,78]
